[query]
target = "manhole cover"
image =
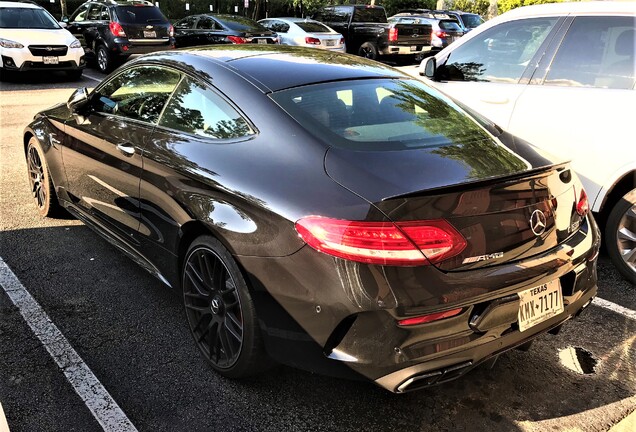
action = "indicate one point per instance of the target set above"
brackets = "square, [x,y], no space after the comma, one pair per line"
[578,359]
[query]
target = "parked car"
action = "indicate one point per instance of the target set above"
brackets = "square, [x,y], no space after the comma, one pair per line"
[443,31]
[465,20]
[328,211]
[112,30]
[562,77]
[210,29]
[367,32]
[31,39]
[305,32]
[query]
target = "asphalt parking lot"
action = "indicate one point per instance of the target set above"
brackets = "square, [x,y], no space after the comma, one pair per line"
[130,332]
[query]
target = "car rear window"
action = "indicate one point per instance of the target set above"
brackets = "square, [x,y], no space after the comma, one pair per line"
[139,14]
[27,18]
[313,27]
[472,21]
[381,114]
[449,25]
[374,15]
[241,24]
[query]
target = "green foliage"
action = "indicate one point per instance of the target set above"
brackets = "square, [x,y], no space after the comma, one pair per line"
[506,5]
[393,6]
[479,7]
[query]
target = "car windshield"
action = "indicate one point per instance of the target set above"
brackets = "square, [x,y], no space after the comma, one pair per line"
[140,14]
[313,27]
[472,21]
[380,114]
[241,24]
[27,18]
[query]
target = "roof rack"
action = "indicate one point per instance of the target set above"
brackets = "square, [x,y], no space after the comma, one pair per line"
[21,1]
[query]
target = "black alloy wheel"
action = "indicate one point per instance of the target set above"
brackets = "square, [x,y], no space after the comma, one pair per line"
[40,180]
[620,236]
[220,311]
[368,50]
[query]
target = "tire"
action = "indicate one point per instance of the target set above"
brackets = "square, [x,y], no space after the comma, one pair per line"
[104,59]
[40,180]
[620,236]
[368,50]
[220,310]
[75,75]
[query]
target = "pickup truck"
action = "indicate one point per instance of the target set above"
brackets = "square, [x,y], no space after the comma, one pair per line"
[367,32]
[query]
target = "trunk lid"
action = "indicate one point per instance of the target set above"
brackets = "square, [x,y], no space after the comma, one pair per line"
[414,34]
[143,22]
[503,215]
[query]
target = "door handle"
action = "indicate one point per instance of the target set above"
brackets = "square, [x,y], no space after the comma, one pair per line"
[496,101]
[126,148]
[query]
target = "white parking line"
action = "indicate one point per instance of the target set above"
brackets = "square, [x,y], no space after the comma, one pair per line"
[103,407]
[614,308]
[4,426]
[93,78]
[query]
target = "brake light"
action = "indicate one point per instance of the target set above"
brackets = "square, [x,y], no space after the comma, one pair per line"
[583,205]
[342,41]
[312,41]
[440,34]
[171,31]
[429,318]
[237,39]
[116,29]
[385,243]
[393,34]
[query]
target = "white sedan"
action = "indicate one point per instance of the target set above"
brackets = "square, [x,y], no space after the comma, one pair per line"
[561,76]
[305,32]
[32,40]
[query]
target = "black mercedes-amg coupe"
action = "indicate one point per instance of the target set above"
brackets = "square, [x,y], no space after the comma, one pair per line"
[321,210]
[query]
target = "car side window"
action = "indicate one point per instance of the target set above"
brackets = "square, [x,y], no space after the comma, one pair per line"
[279,27]
[95,13]
[500,54]
[138,93]
[596,52]
[207,24]
[105,15]
[197,110]
[80,13]
[186,23]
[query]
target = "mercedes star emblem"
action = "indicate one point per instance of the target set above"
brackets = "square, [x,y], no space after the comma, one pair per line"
[538,222]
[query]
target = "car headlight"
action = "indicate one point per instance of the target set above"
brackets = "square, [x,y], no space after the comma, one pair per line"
[76,44]
[6,43]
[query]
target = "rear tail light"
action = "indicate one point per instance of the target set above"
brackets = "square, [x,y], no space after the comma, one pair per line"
[342,41]
[383,243]
[583,205]
[393,34]
[237,39]
[116,29]
[429,318]
[312,41]
[440,34]
[171,31]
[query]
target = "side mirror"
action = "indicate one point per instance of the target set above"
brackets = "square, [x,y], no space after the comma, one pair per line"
[63,24]
[77,99]
[64,20]
[428,67]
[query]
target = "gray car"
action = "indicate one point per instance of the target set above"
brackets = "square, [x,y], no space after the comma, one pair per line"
[305,32]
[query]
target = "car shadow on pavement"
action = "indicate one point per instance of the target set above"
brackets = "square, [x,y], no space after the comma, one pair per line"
[40,80]
[131,331]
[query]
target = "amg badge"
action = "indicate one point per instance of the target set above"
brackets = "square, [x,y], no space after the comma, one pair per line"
[486,257]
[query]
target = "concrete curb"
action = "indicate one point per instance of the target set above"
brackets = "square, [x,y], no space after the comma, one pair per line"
[628,424]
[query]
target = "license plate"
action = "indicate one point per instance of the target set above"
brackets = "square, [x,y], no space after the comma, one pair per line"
[539,304]
[413,48]
[331,42]
[50,60]
[261,41]
[150,34]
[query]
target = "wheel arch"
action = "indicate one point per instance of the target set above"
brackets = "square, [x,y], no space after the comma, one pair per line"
[623,185]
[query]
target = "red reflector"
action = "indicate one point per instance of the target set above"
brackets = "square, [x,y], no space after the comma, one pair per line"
[583,206]
[171,31]
[312,41]
[116,29]
[125,47]
[384,243]
[342,41]
[393,34]
[429,318]
[236,39]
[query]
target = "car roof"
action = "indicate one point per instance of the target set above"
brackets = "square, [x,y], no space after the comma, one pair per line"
[594,7]
[292,19]
[4,4]
[282,67]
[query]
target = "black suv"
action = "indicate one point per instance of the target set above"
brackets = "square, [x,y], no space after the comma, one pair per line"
[112,30]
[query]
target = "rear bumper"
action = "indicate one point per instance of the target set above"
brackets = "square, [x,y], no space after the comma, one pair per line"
[126,47]
[339,317]
[405,50]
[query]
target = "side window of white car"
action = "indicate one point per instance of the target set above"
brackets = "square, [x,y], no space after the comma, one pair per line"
[500,54]
[596,52]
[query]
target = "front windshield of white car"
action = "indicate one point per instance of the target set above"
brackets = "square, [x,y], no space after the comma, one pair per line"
[27,18]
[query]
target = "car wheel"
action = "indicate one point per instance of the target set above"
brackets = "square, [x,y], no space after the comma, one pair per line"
[620,236]
[368,50]
[104,59]
[220,310]
[75,74]
[40,180]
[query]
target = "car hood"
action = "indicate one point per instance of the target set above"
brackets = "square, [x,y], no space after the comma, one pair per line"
[38,36]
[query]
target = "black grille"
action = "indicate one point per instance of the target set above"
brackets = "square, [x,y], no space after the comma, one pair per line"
[48,50]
